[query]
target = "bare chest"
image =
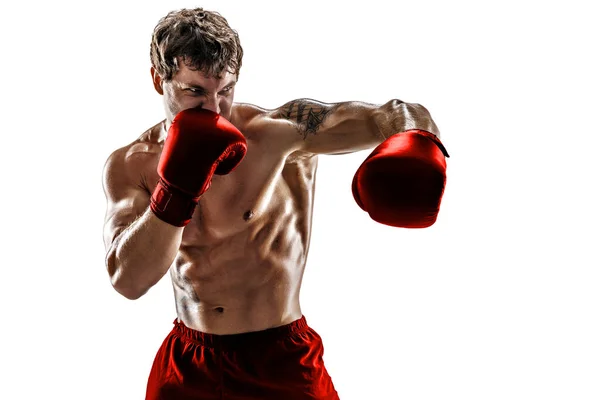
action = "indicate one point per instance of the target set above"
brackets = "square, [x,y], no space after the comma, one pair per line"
[257,189]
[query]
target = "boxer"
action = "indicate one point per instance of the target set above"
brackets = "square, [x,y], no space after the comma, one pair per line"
[220,196]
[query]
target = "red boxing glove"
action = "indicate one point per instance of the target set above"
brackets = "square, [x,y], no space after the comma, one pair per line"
[402,181]
[199,143]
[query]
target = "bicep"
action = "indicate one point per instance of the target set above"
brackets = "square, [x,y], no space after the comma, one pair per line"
[306,115]
[126,197]
[329,128]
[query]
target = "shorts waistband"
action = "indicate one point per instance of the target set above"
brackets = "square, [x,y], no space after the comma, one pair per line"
[240,339]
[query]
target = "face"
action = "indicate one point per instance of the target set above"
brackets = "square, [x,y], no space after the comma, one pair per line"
[189,89]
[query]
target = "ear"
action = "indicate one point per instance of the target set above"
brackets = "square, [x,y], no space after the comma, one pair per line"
[157,80]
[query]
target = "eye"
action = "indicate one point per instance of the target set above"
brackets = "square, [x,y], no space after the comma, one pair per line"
[194,92]
[227,89]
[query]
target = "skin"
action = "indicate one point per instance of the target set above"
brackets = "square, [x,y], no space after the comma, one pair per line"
[238,265]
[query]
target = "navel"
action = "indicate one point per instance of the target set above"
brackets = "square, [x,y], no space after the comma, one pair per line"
[248,214]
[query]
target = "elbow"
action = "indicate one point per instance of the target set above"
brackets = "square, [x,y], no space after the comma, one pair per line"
[422,118]
[398,116]
[127,291]
[119,282]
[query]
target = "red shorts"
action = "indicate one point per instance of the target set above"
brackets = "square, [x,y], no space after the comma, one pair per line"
[283,363]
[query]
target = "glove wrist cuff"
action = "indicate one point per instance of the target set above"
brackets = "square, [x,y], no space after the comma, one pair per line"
[172,205]
[432,137]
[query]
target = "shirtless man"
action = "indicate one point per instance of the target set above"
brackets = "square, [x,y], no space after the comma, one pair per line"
[220,195]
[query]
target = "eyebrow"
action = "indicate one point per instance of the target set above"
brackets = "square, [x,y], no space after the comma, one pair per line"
[203,89]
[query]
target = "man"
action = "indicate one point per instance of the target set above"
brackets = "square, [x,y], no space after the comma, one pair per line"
[220,195]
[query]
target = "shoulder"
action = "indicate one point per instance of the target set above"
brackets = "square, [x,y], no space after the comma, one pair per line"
[138,156]
[244,112]
[255,120]
[146,144]
[272,128]
[247,117]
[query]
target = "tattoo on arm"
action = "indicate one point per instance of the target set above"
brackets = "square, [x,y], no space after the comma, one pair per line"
[307,114]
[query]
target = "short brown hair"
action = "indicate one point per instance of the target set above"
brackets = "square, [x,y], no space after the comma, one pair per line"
[203,39]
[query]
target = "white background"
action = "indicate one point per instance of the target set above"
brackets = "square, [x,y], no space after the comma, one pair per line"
[500,299]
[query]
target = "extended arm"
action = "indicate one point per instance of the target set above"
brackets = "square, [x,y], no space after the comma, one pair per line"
[340,128]
[402,181]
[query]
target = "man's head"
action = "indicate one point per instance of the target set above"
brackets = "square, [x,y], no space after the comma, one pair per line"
[196,60]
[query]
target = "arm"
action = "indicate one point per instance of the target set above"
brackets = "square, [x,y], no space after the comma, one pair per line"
[140,248]
[143,232]
[340,128]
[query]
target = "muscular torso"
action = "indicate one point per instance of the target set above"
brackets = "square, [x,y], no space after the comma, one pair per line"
[242,257]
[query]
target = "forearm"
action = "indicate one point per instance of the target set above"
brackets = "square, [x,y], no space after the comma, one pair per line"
[397,116]
[142,254]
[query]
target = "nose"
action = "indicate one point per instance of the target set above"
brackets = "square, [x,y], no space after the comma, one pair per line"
[211,104]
